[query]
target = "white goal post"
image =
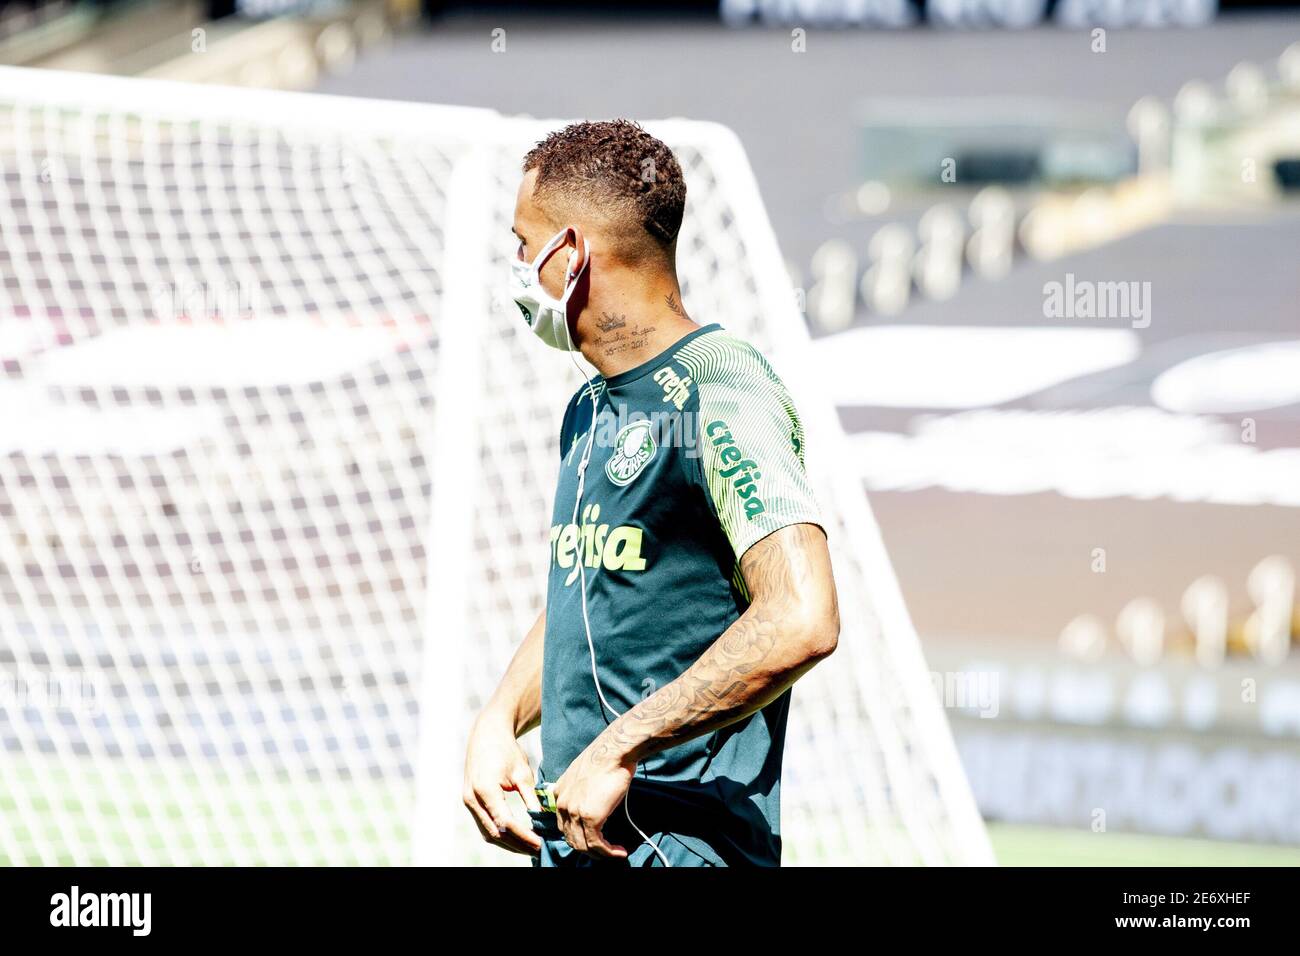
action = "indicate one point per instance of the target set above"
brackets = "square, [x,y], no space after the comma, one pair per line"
[275,481]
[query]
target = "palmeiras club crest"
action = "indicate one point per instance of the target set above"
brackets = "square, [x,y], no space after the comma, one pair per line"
[633,448]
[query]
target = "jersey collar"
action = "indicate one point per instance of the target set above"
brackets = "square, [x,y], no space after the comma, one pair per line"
[622,378]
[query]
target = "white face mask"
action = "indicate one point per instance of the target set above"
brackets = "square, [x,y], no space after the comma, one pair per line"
[545,315]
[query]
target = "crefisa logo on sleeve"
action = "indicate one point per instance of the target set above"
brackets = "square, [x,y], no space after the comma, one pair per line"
[75,908]
[743,473]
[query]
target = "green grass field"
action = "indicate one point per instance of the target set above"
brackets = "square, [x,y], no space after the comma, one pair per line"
[152,818]
[1048,846]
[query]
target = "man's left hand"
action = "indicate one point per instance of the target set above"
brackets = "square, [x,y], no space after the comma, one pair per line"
[587,793]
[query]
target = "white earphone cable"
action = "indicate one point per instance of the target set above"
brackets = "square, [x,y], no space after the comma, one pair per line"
[582,574]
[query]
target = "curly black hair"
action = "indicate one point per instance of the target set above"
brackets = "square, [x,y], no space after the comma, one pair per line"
[618,168]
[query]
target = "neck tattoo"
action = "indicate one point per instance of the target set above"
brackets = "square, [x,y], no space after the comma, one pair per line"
[608,321]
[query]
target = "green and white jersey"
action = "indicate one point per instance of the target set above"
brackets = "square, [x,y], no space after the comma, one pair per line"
[697,454]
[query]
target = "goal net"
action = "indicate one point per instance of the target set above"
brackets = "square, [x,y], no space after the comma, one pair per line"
[275,479]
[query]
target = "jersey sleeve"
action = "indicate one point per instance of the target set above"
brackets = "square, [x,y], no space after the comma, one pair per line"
[751,450]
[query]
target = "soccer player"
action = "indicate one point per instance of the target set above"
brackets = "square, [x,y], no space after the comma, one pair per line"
[690,584]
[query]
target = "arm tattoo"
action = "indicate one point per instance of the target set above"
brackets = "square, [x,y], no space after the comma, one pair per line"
[741,671]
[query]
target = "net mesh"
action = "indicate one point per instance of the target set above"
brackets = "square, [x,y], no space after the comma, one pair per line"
[222,343]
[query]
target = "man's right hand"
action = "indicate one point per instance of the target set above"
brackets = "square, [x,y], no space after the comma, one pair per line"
[494,765]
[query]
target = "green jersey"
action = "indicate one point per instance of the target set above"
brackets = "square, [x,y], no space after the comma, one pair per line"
[696,455]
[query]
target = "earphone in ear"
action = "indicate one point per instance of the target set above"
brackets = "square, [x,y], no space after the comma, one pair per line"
[575,257]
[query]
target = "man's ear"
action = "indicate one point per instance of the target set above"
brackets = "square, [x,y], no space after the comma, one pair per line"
[578,257]
[579,261]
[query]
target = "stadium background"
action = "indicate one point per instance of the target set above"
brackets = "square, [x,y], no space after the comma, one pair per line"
[1049,486]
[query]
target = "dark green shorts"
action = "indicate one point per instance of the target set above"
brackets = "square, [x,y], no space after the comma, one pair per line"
[680,850]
